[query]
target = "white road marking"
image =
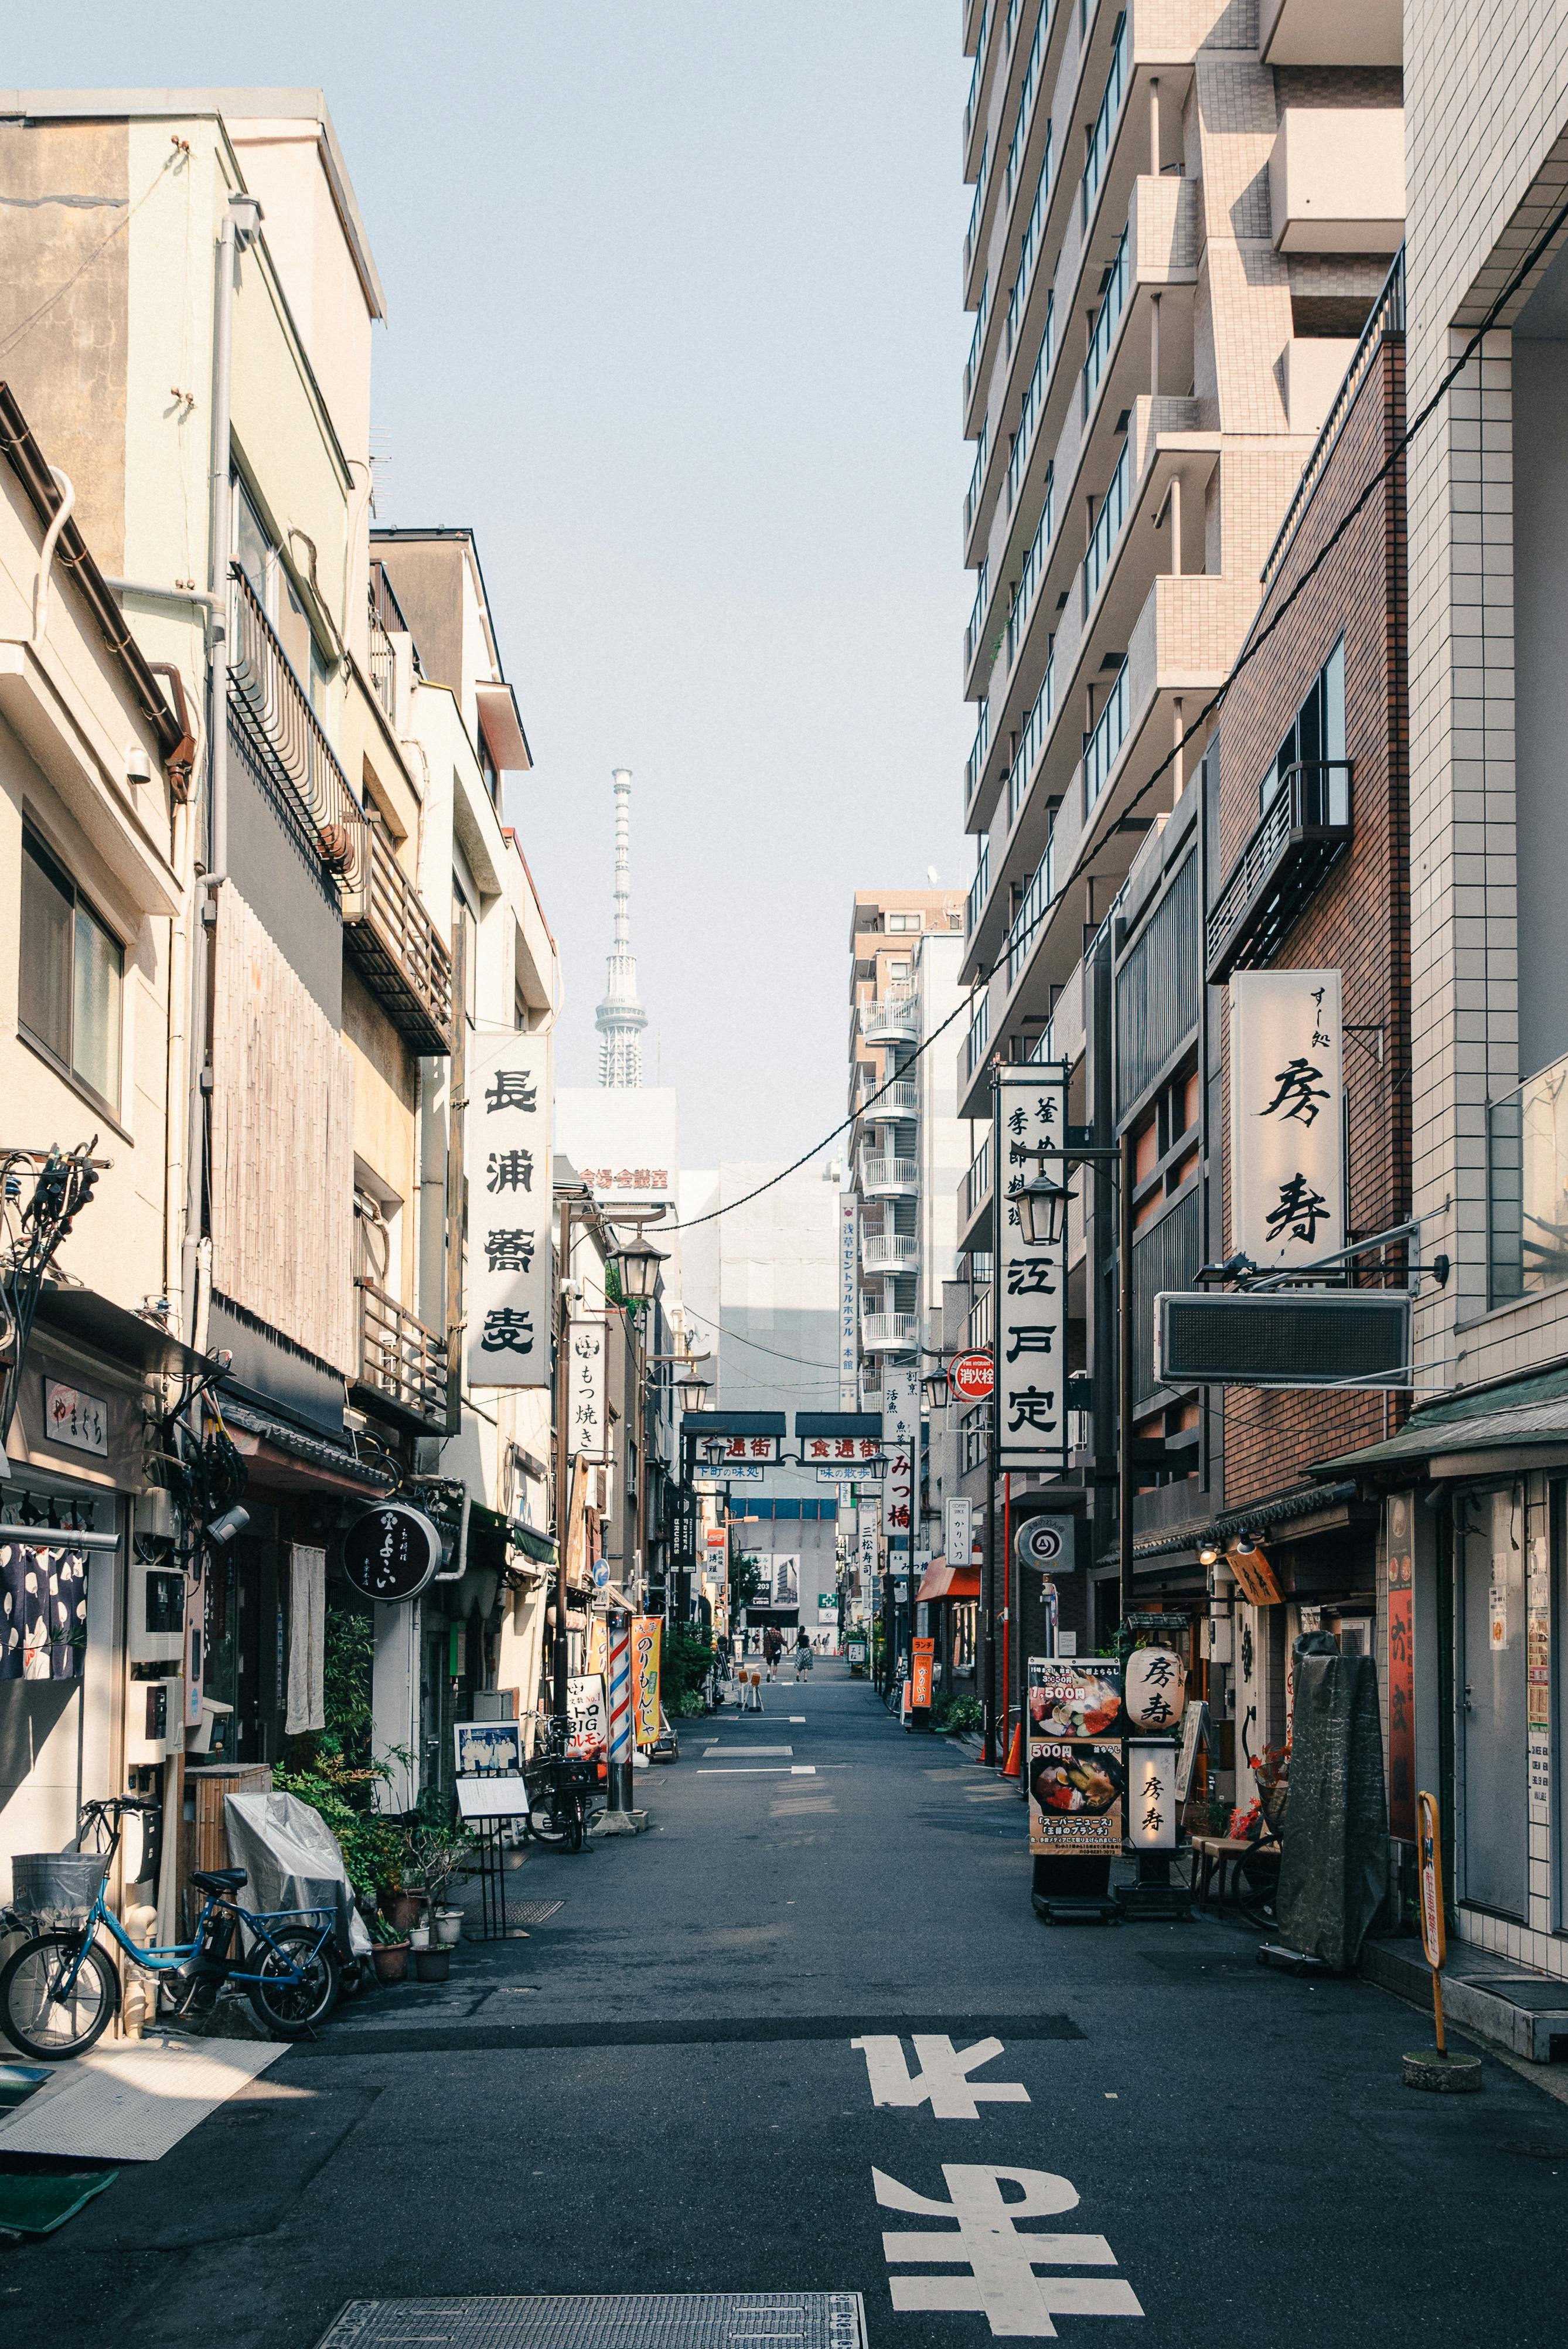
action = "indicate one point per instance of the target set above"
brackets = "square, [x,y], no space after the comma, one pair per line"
[709,1751]
[1001,2283]
[762,1770]
[943,2079]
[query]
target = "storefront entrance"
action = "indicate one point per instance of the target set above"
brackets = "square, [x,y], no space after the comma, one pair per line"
[1490,1558]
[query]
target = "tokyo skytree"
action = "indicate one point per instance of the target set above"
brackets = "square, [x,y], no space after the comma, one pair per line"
[621,1018]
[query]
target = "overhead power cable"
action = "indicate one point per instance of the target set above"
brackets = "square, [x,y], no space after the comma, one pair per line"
[1248,653]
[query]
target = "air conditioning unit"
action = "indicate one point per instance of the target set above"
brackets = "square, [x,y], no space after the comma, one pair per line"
[1283,1338]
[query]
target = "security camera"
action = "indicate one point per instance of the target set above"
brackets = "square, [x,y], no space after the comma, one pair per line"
[223,1529]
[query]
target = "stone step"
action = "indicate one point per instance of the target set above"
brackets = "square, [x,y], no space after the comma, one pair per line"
[1526,2012]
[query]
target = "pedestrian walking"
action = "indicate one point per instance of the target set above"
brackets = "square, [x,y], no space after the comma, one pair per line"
[773,1648]
[803,1655]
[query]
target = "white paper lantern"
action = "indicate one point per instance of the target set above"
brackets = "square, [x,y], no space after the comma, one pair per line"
[1156,1684]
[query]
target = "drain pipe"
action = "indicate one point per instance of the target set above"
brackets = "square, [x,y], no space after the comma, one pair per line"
[241,223]
[47,554]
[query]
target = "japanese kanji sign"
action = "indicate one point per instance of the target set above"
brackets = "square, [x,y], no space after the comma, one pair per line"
[1152,1801]
[1031,1398]
[1287,1089]
[508,1284]
[586,1429]
[849,1301]
[901,1443]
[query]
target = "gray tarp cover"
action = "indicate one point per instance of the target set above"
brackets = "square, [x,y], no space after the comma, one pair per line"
[1335,1869]
[289,1856]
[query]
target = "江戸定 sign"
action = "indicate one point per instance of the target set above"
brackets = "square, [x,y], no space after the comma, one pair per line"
[390,1553]
[509,1260]
[1031,1282]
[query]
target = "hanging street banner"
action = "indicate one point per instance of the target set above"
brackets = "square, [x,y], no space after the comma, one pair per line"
[646,1630]
[587,1425]
[901,1443]
[848,1300]
[1030,1320]
[1287,1093]
[509,1260]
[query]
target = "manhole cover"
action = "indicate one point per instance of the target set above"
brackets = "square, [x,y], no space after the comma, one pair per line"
[672,2319]
[532,1912]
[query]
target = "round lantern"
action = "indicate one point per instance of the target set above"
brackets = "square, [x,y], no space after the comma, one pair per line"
[1155,1686]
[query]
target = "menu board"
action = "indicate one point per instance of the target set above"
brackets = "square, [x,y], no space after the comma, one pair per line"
[1076,1767]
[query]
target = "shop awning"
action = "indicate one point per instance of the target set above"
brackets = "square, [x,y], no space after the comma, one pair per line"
[283,1458]
[1516,1424]
[941,1580]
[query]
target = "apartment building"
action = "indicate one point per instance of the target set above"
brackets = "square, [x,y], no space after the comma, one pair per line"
[1179,230]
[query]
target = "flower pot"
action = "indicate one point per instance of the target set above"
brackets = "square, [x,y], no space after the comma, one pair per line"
[390,1960]
[401,1909]
[448,1928]
[419,1938]
[432,1965]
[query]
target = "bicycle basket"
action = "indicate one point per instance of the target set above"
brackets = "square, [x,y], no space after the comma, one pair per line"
[55,1888]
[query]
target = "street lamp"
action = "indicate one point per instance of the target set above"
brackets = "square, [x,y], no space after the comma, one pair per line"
[933,1388]
[692,1389]
[636,1263]
[1042,1206]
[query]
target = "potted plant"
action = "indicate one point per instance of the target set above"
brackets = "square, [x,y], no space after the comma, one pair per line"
[432,1965]
[442,1855]
[388,1951]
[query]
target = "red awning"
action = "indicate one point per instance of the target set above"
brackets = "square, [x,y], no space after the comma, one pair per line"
[941,1580]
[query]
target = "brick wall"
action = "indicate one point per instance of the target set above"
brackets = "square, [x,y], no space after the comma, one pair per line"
[1358,921]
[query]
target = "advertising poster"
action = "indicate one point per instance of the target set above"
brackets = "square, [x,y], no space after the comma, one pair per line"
[1075,1755]
[588,1713]
[922,1652]
[645,1634]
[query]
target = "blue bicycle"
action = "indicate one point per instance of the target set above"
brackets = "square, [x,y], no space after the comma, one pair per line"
[59,1990]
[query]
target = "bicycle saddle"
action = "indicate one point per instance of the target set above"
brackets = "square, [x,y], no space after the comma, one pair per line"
[218,1879]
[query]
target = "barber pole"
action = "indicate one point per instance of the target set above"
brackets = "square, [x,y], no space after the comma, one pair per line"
[620,1786]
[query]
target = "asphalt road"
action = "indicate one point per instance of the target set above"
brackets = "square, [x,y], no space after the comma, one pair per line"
[659,2092]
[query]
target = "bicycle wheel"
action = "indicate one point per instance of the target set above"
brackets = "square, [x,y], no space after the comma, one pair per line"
[573,1831]
[291,2009]
[42,2024]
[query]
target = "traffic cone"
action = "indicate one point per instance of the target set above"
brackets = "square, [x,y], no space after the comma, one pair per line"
[1014,1766]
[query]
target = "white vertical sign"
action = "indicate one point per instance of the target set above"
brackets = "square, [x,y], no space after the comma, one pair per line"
[508,1284]
[958,1529]
[586,1415]
[848,1300]
[867,1551]
[901,1443]
[1030,1319]
[1288,1091]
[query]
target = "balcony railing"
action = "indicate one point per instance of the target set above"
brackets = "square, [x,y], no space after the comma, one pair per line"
[383,667]
[1103,332]
[977,1181]
[976,480]
[979,1035]
[977,620]
[882,1333]
[1024,936]
[1029,251]
[269,706]
[891,1018]
[1033,572]
[979,889]
[1105,121]
[1102,748]
[977,76]
[1033,401]
[977,749]
[1032,740]
[398,949]
[1387,318]
[1028,94]
[898,1099]
[400,1361]
[887,1252]
[976,342]
[978,207]
[981,1318]
[1304,831]
[889,1177]
[1107,529]
[1527,1184]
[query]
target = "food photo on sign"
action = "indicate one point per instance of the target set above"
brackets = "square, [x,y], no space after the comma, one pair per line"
[1075,1774]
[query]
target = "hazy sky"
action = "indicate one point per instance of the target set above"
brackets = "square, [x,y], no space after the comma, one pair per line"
[673,298]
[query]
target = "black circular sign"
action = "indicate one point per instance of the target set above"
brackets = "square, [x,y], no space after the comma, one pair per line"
[1038,1542]
[390,1553]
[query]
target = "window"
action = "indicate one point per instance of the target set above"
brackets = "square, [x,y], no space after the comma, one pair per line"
[72,973]
[904,921]
[1317,735]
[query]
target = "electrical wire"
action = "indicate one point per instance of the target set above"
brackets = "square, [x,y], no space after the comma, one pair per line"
[1248,653]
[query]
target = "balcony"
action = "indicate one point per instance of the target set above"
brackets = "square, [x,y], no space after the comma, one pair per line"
[1304,831]
[979,1035]
[977,1181]
[900,1099]
[402,1364]
[1102,137]
[890,1020]
[1351,33]
[282,739]
[890,1333]
[399,950]
[383,665]
[1337,179]
[978,887]
[1527,1185]
[889,1178]
[889,1252]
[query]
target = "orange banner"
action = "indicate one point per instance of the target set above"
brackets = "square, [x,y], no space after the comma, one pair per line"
[921,1654]
[646,1633]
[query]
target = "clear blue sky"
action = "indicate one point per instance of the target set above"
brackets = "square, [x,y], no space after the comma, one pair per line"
[673,295]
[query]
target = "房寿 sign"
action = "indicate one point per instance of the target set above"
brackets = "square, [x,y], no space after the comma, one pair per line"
[510,1255]
[585,1418]
[1287,1089]
[1030,1394]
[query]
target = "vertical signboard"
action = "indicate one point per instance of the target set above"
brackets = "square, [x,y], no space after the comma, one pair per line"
[1031,1393]
[1287,1092]
[646,1630]
[508,1285]
[958,1528]
[586,1425]
[1538,1676]
[867,1550]
[1401,1676]
[901,1443]
[922,1654]
[1151,1799]
[1075,1755]
[848,1300]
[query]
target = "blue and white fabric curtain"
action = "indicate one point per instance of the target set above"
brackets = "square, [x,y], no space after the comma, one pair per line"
[42,1612]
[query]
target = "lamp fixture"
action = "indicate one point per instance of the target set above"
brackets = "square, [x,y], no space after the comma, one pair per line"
[1042,1206]
[636,1263]
[933,1388]
[692,1389]
[1209,1552]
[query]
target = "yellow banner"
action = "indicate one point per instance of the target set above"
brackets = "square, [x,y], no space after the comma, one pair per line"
[596,1664]
[646,1631]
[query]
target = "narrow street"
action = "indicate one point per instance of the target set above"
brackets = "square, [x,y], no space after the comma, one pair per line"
[659,2092]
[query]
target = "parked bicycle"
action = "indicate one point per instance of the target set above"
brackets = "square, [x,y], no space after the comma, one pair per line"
[59,1991]
[559,1787]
